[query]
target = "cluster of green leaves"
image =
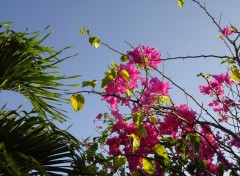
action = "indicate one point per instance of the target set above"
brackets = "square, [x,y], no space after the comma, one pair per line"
[93,40]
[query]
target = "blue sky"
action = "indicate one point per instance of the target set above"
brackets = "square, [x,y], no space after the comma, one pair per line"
[161,24]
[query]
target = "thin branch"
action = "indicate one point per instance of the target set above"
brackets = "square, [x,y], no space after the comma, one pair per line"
[192,57]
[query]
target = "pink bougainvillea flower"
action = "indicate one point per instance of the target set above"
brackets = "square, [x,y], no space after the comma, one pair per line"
[227,31]
[224,77]
[183,118]
[120,85]
[145,55]
[154,88]
[99,116]
[113,144]
[213,88]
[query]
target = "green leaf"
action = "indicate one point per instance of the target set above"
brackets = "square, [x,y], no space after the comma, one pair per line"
[234,28]
[235,75]
[221,169]
[181,3]
[119,161]
[94,41]
[191,167]
[199,74]
[160,150]
[195,141]
[136,174]
[141,131]
[77,101]
[82,30]
[221,37]
[136,142]
[149,166]
[124,58]
[89,83]
[110,75]
[202,163]
[138,118]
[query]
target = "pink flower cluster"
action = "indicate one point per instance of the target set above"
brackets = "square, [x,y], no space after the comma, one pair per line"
[122,143]
[177,122]
[227,31]
[120,85]
[145,55]
[152,90]
[215,88]
[181,118]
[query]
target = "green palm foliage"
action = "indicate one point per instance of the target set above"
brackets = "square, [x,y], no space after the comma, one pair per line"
[28,68]
[29,146]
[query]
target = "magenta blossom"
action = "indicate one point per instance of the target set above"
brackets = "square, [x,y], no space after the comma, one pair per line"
[145,55]
[227,31]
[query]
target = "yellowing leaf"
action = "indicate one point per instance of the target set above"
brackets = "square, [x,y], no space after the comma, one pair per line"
[128,93]
[165,99]
[82,30]
[145,59]
[149,166]
[221,37]
[125,74]
[89,83]
[161,151]
[124,58]
[138,118]
[181,3]
[94,41]
[153,120]
[235,75]
[77,101]
[136,142]
[110,75]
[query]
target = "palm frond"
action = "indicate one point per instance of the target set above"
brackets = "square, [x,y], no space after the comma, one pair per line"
[28,68]
[28,145]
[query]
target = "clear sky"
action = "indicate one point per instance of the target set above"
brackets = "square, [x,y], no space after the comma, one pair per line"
[159,23]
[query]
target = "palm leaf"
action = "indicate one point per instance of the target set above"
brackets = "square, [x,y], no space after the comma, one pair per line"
[30,146]
[29,68]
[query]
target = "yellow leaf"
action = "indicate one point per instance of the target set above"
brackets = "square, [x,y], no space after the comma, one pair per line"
[125,74]
[94,41]
[181,3]
[161,151]
[153,120]
[164,99]
[136,142]
[128,93]
[236,75]
[145,59]
[149,166]
[77,101]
